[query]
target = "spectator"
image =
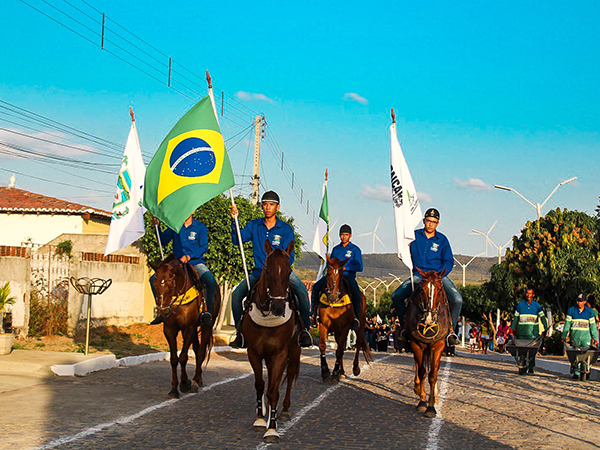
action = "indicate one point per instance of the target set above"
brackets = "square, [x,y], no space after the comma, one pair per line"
[473,337]
[485,337]
[502,335]
[383,337]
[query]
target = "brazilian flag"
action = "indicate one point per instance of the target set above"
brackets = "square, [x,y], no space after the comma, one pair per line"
[190,167]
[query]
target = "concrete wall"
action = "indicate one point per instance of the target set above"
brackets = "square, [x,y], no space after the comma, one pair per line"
[17,228]
[96,225]
[16,270]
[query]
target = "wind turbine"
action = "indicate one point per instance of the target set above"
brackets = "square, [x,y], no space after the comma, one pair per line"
[492,243]
[374,234]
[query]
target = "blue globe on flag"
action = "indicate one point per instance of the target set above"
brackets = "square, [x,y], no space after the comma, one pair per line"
[192,157]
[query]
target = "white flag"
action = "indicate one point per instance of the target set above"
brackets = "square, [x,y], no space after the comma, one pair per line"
[407,209]
[321,241]
[127,222]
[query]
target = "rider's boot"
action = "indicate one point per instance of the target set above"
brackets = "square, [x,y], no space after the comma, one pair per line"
[305,339]
[404,335]
[355,325]
[157,320]
[206,319]
[452,339]
[239,341]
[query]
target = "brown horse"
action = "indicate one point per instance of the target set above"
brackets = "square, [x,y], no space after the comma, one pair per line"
[336,315]
[428,323]
[180,302]
[271,332]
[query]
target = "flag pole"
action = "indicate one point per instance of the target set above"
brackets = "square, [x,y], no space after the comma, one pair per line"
[162,255]
[237,223]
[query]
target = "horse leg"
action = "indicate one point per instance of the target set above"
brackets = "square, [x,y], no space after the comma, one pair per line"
[293,370]
[325,374]
[275,368]
[188,336]
[203,351]
[436,358]
[259,385]
[420,370]
[338,370]
[197,380]
[171,336]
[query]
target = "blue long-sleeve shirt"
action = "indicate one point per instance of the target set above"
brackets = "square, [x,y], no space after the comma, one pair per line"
[192,241]
[256,231]
[432,253]
[351,251]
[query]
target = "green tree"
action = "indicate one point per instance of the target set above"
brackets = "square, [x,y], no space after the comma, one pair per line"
[558,256]
[5,299]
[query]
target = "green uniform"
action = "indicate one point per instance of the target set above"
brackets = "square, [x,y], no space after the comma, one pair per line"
[526,323]
[582,325]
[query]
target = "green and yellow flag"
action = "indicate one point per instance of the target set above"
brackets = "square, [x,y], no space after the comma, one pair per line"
[190,167]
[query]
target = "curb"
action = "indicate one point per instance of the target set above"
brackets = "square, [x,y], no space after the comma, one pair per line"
[562,368]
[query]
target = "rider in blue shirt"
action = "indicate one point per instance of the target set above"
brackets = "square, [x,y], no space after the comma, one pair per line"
[189,246]
[280,234]
[344,250]
[430,251]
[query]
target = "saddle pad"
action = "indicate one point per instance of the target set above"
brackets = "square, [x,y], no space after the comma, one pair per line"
[343,301]
[269,321]
[186,298]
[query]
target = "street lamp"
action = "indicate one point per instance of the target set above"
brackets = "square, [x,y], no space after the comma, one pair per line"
[538,207]
[464,266]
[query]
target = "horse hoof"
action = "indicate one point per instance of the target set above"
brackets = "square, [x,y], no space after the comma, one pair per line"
[271,436]
[356,371]
[422,406]
[430,413]
[326,377]
[174,393]
[285,415]
[260,424]
[194,388]
[185,386]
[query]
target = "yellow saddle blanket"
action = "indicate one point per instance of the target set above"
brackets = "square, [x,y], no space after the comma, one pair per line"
[342,301]
[186,298]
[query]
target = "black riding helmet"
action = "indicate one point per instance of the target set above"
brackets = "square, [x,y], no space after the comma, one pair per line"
[345,229]
[432,212]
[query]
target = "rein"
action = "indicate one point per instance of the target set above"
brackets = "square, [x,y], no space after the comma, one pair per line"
[177,299]
[429,302]
[268,303]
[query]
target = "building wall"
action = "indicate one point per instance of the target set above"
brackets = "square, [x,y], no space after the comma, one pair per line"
[41,228]
[96,225]
[16,270]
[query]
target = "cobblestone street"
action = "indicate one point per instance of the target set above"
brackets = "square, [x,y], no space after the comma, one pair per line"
[483,404]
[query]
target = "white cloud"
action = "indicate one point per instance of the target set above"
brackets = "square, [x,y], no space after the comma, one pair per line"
[384,194]
[353,96]
[473,183]
[242,95]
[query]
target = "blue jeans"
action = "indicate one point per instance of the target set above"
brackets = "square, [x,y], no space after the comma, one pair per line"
[405,289]
[241,291]
[208,280]
[354,292]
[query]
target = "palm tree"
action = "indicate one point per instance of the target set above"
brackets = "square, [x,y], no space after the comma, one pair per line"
[5,299]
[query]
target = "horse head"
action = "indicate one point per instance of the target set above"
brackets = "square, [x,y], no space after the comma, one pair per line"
[167,280]
[335,272]
[274,283]
[431,296]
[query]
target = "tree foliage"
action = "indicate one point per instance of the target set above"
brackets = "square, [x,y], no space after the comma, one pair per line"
[558,256]
[223,258]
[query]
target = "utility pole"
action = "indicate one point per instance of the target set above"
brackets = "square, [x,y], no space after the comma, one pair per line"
[256,173]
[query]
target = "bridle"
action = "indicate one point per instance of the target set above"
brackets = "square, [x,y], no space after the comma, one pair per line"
[265,307]
[176,299]
[428,301]
[337,293]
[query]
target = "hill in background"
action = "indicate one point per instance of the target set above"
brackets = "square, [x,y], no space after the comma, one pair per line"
[382,264]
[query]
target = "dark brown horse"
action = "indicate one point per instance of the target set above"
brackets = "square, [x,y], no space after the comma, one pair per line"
[428,323]
[336,315]
[180,303]
[271,330]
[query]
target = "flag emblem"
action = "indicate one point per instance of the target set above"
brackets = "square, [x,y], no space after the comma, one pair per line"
[193,157]
[123,189]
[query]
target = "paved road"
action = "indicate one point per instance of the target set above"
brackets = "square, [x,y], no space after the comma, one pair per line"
[484,405]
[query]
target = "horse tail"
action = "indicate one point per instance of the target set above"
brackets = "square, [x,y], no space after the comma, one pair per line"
[361,339]
[211,338]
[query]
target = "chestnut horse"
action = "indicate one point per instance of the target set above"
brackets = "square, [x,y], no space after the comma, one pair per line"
[180,303]
[271,330]
[336,315]
[428,323]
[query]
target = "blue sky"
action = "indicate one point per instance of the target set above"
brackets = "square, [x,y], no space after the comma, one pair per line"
[504,93]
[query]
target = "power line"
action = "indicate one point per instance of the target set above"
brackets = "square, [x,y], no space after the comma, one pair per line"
[55,182]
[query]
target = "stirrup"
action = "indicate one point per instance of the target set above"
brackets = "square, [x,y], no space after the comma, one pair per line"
[452,339]
[305,339]
[206,319]
[239,341]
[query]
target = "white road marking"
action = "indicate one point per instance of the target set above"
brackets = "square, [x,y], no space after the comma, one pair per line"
[436,425]
[316,402]
[128,419]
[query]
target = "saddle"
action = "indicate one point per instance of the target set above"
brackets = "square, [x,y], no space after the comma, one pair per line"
[341,301]
[196,289]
